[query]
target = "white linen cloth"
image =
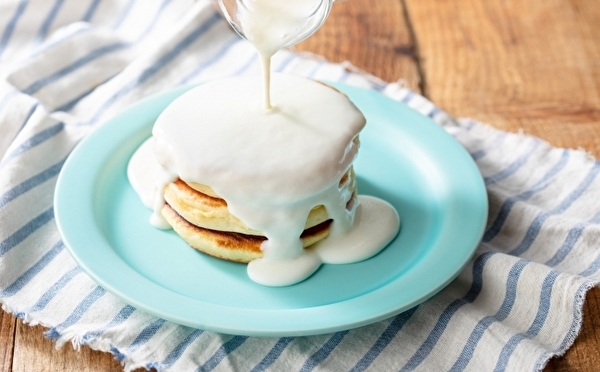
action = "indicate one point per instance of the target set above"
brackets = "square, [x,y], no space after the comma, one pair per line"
[68,65]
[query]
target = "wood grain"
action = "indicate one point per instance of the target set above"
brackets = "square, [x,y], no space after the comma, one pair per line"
[371,34]
[518,65]
[7,336]
[34,352]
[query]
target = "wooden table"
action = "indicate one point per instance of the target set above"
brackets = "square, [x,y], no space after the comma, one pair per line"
[525,65]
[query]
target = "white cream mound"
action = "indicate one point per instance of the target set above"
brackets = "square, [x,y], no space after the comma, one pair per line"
[218,134]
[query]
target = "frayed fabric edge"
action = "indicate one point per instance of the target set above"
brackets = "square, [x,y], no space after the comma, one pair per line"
[465,123]
[77,339]
[575,329]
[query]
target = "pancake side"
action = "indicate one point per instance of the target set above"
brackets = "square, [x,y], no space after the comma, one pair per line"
[232,246]
[211,212]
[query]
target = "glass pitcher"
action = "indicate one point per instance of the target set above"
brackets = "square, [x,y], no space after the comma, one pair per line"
[293,20]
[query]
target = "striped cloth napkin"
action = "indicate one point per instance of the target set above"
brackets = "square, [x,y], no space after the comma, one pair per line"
[68,65]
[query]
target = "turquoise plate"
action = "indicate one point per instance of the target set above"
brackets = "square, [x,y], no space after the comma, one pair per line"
[405,159]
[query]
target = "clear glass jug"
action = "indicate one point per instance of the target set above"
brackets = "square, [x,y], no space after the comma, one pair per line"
[293,20]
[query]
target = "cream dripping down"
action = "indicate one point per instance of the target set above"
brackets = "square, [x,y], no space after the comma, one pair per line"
[270,167]
[271,159]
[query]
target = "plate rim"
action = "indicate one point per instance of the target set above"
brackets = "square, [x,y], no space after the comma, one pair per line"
[279,316]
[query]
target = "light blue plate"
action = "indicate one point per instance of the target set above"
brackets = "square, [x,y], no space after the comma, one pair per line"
[405,159]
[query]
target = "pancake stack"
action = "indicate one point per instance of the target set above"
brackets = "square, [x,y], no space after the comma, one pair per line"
[218,150]
[202,219]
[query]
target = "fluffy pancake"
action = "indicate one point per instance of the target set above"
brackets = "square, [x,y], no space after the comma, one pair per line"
[276,169]
[211,212]
[202,219]
[228,245]
[201,206]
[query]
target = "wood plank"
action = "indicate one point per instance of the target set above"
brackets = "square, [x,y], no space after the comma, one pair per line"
[7,335]
[34,352]
[530,65]
[371,34]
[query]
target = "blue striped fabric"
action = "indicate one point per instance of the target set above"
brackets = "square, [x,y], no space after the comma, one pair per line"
[9,27]
[79,62]
[43,32]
